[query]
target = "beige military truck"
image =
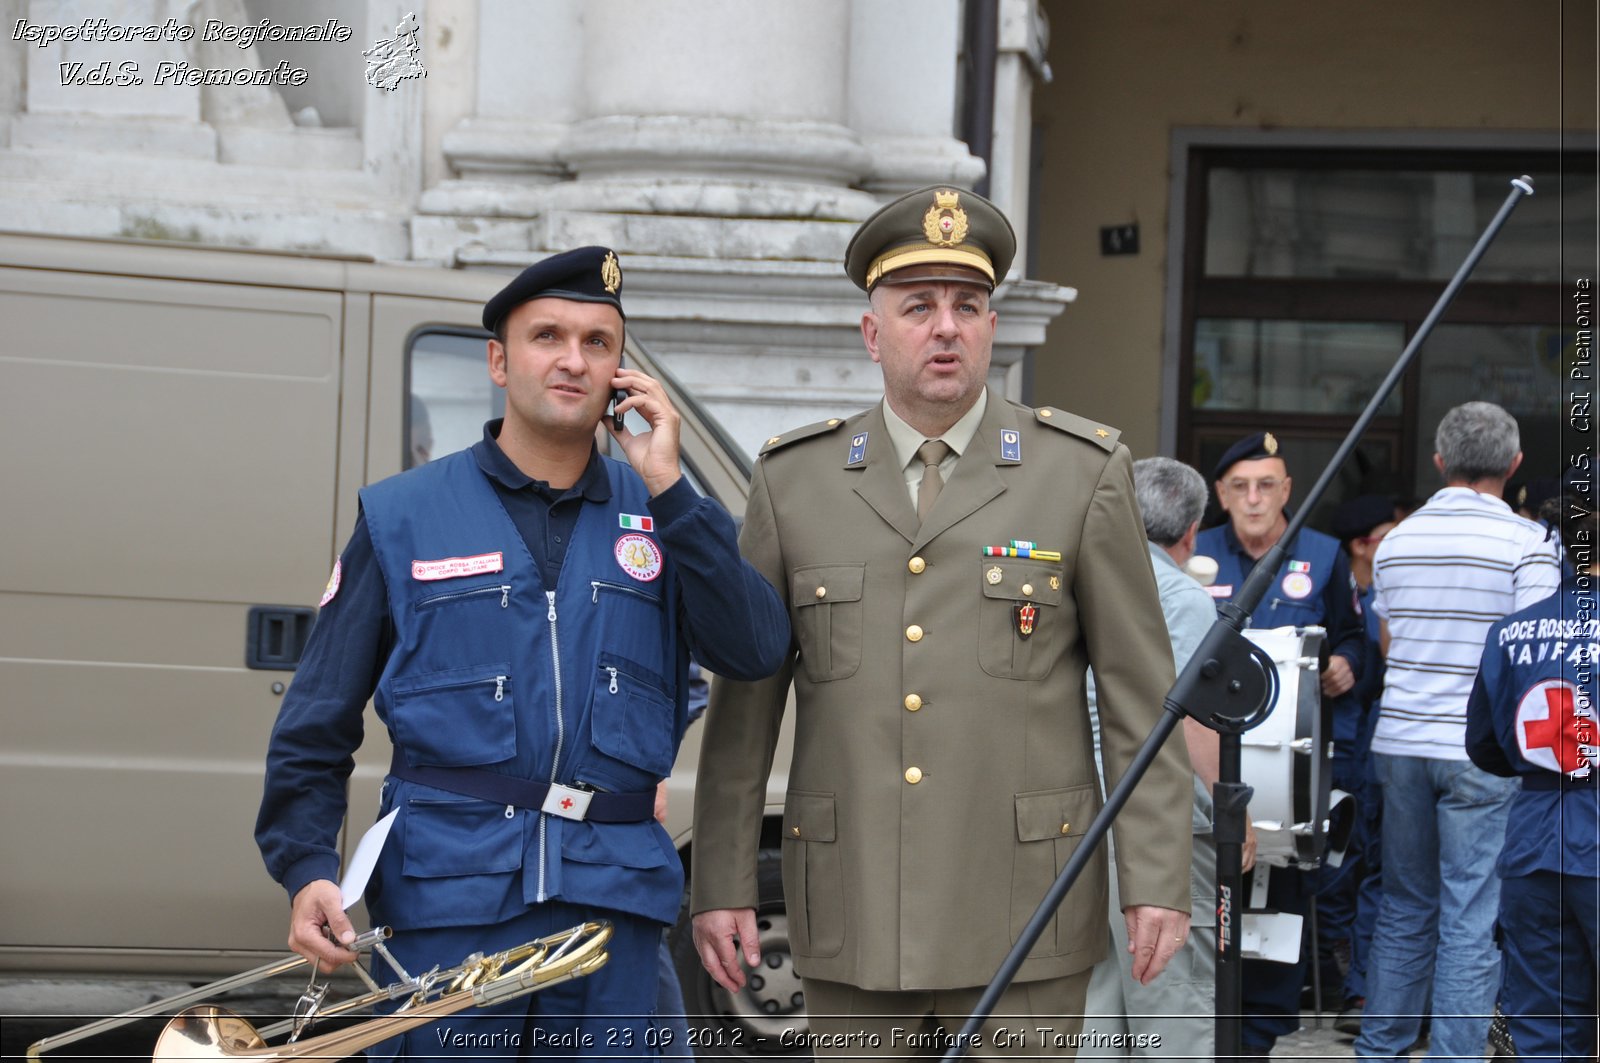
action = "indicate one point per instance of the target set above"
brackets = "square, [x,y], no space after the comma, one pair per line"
[185,431]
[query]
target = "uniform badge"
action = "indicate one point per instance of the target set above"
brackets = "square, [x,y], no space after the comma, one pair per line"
[611,274]
[1055,583]
[639,557]
[858,449]
[1010,444]
[634,522]
[1026,616]
[945,224]
[333,582]
[1220,590]
[1269,443]
[1296,584]
[1553,731]
[994,575]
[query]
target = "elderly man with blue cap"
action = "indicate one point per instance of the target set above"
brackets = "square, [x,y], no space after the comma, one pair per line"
[521,615]
[1313,586]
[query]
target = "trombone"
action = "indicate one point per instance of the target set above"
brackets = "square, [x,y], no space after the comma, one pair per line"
[210,1032]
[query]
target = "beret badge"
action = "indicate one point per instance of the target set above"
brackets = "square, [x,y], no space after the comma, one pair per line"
[611,273]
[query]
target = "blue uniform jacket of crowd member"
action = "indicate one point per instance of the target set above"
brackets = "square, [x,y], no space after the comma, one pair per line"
[1531,710]
[583,683]
[1313,587]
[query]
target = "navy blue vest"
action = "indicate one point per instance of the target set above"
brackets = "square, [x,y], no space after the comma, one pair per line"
[1296,595]
[492,670]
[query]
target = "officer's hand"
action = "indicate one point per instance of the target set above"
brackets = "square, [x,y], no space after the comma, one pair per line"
[319,905]
[1337,677]
[714,934]
[1154,936]
[654,455]
[1247,851]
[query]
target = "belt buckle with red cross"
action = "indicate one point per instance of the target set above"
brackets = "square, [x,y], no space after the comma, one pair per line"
[566,802]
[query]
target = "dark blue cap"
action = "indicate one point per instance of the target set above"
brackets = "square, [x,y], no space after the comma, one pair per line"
[1250,448]
[585,275]
[1356,517]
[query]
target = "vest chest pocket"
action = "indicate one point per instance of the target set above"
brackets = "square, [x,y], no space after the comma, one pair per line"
[827,605]
[632,719]
[1020,629]
[455,718]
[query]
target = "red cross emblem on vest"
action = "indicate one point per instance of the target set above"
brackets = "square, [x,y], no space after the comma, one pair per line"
[1550,729]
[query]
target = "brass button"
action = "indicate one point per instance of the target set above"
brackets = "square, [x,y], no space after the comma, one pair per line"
[773,440]
[1044,413]
[822,592]
[916,565]
[913,702]
[913,633]
[832,421]
[913,775]
[1064,828]
[1027,588]
[796,831]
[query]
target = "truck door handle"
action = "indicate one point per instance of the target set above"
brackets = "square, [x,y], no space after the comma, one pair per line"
[275,636]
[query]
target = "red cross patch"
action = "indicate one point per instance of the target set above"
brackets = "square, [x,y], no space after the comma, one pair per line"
[1550,730]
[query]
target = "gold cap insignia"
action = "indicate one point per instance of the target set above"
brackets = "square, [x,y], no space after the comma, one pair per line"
[611,274]
[945,224]
[1270,444]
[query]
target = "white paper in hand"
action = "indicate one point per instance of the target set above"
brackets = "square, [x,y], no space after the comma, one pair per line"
[365,859]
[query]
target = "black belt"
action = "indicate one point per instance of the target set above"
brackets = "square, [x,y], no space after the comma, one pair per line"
[1546,780]
[602,807]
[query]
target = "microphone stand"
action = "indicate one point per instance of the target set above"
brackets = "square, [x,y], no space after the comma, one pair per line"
[1229,685]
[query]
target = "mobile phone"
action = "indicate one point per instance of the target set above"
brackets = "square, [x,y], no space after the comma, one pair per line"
[617,395]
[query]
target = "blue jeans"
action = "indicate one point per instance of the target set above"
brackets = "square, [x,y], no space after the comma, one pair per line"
[1444,823]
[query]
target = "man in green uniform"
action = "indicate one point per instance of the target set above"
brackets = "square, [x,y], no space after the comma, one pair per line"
[952,563]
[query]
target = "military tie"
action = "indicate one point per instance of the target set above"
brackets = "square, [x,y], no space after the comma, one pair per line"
[931,453]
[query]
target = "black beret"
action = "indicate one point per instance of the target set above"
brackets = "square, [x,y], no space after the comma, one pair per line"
[1356,517]
[948,232]
[585,275]
[1533,493]
[1250,448]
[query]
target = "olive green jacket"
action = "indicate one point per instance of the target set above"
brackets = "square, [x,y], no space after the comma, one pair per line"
[943,770]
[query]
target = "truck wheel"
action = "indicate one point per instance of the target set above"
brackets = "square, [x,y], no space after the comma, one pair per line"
[768,1017]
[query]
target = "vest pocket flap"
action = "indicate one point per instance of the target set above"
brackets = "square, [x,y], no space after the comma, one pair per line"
[809,817]
[455,718]
[634,718]
[446,839]
[822,584]
[1020,580]
[1047,814]
[613,844]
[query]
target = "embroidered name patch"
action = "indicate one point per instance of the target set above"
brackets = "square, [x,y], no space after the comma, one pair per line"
[639,557]
[1220,590]
[456,567]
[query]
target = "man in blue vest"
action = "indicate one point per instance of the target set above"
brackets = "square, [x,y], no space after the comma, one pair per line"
[521,615]
[1532,715]
[1312,587]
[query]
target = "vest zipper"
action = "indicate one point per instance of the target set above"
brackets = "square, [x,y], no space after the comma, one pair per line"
[597,584]
[504,589]
[561,732]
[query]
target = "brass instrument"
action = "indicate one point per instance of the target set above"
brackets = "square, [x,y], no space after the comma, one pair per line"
[214,1033]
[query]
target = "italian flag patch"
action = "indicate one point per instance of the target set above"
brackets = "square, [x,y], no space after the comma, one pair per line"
[1299,566]
[633,522]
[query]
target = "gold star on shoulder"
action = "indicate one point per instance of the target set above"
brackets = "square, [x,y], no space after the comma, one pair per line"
[1101,432]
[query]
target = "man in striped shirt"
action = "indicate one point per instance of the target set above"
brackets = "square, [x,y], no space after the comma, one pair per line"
[1442,577]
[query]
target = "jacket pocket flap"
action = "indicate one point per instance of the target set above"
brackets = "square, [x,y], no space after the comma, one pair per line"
[1064,813]
[821,584]
[615,844]
[809,817]
[446,838]
[1021,581]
